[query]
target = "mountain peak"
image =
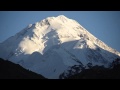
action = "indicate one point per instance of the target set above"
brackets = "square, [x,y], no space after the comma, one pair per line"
[55,45]
[62,16]
[59,18]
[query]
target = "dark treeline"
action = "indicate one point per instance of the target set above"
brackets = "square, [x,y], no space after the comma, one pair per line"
[99,72]
[9,70]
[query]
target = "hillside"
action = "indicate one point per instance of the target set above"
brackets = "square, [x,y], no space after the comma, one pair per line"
[99,72]
[9,70]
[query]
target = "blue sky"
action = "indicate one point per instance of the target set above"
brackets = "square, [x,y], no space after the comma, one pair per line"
[105,25]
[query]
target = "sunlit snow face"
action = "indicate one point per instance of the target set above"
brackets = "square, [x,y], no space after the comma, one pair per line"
[27,46]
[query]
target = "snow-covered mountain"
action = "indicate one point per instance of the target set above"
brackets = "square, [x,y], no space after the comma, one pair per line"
[56,46]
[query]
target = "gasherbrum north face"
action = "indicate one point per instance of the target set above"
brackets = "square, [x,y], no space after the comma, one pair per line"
[55,46]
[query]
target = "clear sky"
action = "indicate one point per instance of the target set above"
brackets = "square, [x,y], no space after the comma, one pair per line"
[105,25]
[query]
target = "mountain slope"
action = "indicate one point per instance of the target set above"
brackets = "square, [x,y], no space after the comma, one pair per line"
[9,70]
[54,45]
[99,72]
